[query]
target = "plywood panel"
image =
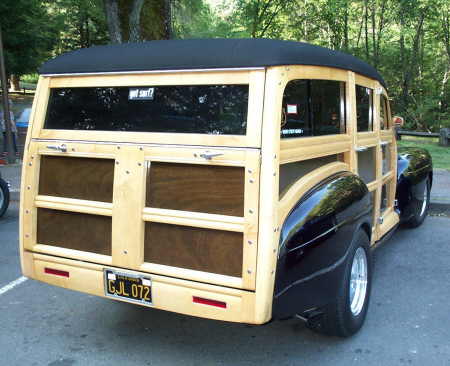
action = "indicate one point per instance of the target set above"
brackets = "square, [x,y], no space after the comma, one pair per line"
[199,249]
[199,188]
[80,178]
[71,230]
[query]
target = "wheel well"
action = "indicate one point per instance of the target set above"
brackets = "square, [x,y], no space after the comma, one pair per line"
[366,227]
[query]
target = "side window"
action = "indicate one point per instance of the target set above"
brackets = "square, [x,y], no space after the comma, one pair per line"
[313,108]
[364,108]
[384,113]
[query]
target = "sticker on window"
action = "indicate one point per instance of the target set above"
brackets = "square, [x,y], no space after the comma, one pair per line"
[291,109]
[292,131]
[141,93]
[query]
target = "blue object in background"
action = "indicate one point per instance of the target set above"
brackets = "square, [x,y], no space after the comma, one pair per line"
[23,119]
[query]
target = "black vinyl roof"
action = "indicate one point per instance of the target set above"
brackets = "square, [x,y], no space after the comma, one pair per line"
[202,54]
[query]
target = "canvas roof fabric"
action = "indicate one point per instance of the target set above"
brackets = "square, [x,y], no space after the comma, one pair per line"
[192,54]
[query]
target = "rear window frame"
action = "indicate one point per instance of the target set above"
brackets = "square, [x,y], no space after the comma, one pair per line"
[254,78]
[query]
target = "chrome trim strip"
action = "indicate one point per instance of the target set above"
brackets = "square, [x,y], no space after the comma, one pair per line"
[153,71]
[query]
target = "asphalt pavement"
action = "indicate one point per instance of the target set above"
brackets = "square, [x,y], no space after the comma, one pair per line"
[407,324]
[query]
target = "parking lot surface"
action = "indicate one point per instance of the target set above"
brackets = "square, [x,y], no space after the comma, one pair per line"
[408,321]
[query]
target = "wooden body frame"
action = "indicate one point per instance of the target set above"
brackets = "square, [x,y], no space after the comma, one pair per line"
[260,152]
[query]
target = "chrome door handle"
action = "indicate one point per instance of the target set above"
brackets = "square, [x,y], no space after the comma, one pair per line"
[361,148]
[62,147]
[209,155]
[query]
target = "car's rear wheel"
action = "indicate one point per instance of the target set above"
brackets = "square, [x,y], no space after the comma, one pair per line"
[419,207]
[4,197]
[346,313]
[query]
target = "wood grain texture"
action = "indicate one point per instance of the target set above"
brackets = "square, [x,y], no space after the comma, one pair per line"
[80,178]
[199,249]
[198,188]
[71,230]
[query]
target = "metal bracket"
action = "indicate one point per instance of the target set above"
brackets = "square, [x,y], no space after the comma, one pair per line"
[209,155]
[62,147]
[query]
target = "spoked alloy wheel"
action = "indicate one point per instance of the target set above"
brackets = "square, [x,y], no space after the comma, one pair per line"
[358,282]
[424,199]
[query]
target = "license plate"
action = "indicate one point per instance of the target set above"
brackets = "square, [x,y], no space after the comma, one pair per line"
[135,288]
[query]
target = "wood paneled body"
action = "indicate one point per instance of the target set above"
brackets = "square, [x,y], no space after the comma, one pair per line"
[171,210]
[72,230]
[206,250]
[162,209]
[75,177]
[197,188]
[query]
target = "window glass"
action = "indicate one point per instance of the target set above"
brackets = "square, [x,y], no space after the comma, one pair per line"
[313,108]
[364,103]
[384,119]
[206,109]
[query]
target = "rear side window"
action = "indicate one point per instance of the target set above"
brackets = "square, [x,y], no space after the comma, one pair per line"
[364,108]
[384,114]
[202,109]
[313,108]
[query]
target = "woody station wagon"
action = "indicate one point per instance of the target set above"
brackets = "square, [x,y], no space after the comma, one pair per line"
[239,180]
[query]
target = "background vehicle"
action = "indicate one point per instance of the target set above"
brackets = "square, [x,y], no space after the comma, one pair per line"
[239,180]
[4,196]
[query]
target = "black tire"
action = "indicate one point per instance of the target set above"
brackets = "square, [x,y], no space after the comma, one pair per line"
[338,318]
[418,211]
[4,197]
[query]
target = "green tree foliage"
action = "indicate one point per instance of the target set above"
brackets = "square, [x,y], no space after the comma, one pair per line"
[79,23]
[406,40]
[29,34]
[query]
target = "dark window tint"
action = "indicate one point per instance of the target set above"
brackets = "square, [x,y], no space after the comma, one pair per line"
[313,108]
[364,110]
[384,116]
[207,109]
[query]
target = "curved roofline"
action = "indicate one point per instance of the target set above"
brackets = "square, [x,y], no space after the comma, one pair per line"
[201,54]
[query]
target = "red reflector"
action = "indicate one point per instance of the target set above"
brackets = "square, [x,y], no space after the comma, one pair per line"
[201,300]
[56,272]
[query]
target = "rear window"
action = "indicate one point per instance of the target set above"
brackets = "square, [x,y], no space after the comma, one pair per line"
[202,109]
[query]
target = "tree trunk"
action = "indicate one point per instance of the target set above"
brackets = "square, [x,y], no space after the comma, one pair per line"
[374,27]
[135,21]
[15,82]
[112,18]
[346,26]
[366,16]
[168,19]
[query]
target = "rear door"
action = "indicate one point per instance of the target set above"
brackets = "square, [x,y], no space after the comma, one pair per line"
[175,195]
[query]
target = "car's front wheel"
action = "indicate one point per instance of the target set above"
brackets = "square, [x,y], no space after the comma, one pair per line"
[345,315]
[420,206]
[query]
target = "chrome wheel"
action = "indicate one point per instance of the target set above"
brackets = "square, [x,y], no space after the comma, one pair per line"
[358,281]
[425,199]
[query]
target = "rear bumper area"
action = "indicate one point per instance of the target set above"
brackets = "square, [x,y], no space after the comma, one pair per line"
[168,293]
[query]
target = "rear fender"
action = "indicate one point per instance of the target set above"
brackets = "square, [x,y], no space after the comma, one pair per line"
[314,241]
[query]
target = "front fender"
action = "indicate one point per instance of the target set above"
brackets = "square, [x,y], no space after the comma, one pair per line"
[314,241]
[414,165]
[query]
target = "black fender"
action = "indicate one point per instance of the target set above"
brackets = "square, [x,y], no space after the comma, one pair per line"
[414,165]
[314,241]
